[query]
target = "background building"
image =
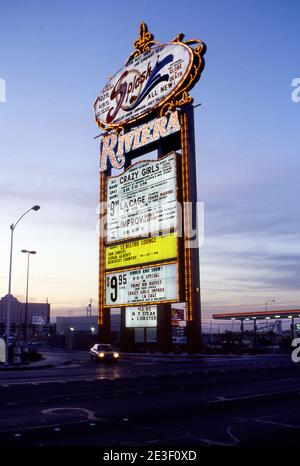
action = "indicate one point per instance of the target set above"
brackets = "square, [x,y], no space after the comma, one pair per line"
[38,316]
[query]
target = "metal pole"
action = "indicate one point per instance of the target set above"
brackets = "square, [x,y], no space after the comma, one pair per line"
[26,302]
[9,291]
[254,330]
[242,328]
[12,227]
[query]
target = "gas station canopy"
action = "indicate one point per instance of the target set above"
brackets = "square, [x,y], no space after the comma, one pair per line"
[283,314]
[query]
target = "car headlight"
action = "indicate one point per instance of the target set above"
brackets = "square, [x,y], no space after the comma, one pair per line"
[116,355]
[101,355]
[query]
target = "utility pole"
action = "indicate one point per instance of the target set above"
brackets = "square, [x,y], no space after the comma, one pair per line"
[89,308]
[26,303]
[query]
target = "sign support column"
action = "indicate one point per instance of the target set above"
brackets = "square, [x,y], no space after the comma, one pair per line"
[127,335]
[145,107]
[104,326]
[191,254]
[164,324]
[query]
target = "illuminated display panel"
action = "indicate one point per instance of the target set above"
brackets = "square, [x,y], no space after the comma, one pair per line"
[141,316]
[154,249]
[147,285]
[131,95]
[143,84]
[142,200]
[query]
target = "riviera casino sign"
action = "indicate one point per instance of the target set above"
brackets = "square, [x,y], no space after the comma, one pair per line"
[143,84]
[155,77]
[113,146]
[145,108]
[142,286]
[142,200]
[141,316]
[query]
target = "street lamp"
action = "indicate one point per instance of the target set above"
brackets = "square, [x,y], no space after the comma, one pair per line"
[268,302]
[26,302]
[12,229]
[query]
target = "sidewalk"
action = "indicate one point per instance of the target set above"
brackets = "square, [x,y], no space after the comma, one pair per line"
[184,356]
[48,360]
[171,357]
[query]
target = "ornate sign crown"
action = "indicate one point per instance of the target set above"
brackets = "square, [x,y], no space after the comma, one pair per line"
[155,78]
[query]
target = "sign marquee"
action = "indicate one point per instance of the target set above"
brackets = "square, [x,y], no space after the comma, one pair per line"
[146,105]
[142,200]
[155,249]
[141,316]
[143,84]
[114,146]
[142,286]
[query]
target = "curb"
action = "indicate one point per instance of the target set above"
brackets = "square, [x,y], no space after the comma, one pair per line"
[30,368]
[188,357]
[164,357]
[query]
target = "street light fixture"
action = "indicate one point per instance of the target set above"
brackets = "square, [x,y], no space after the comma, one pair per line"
[26,302]
[268,302]
[12,229]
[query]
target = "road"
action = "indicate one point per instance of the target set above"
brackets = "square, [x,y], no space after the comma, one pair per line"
[152,401]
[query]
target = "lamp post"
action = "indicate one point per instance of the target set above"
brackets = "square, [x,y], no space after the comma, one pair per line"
[12,229]
[26,302]
[268,302]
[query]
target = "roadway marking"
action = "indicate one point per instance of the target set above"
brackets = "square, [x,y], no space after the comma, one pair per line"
[89,414]
[215,442]
[234,442]
[231,435]
[256,395]
[146,363]
[281,424]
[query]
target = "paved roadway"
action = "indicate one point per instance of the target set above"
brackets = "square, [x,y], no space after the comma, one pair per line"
[154,401]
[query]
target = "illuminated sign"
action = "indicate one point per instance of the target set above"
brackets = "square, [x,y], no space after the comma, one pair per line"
[143,84]
[148,285]
[146,107]
[142,200]
[177,316]
[114,146]
[154,249]
[38,320]
[141,316]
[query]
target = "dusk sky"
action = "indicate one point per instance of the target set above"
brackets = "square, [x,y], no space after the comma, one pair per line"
[55,57]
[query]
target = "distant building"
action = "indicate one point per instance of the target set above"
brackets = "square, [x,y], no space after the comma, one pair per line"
[81,332]
[38,316]
[87,324]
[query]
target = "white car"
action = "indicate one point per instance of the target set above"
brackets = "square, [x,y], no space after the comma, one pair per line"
[104,353]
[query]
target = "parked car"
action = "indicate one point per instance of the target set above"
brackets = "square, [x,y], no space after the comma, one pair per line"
[104,353]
